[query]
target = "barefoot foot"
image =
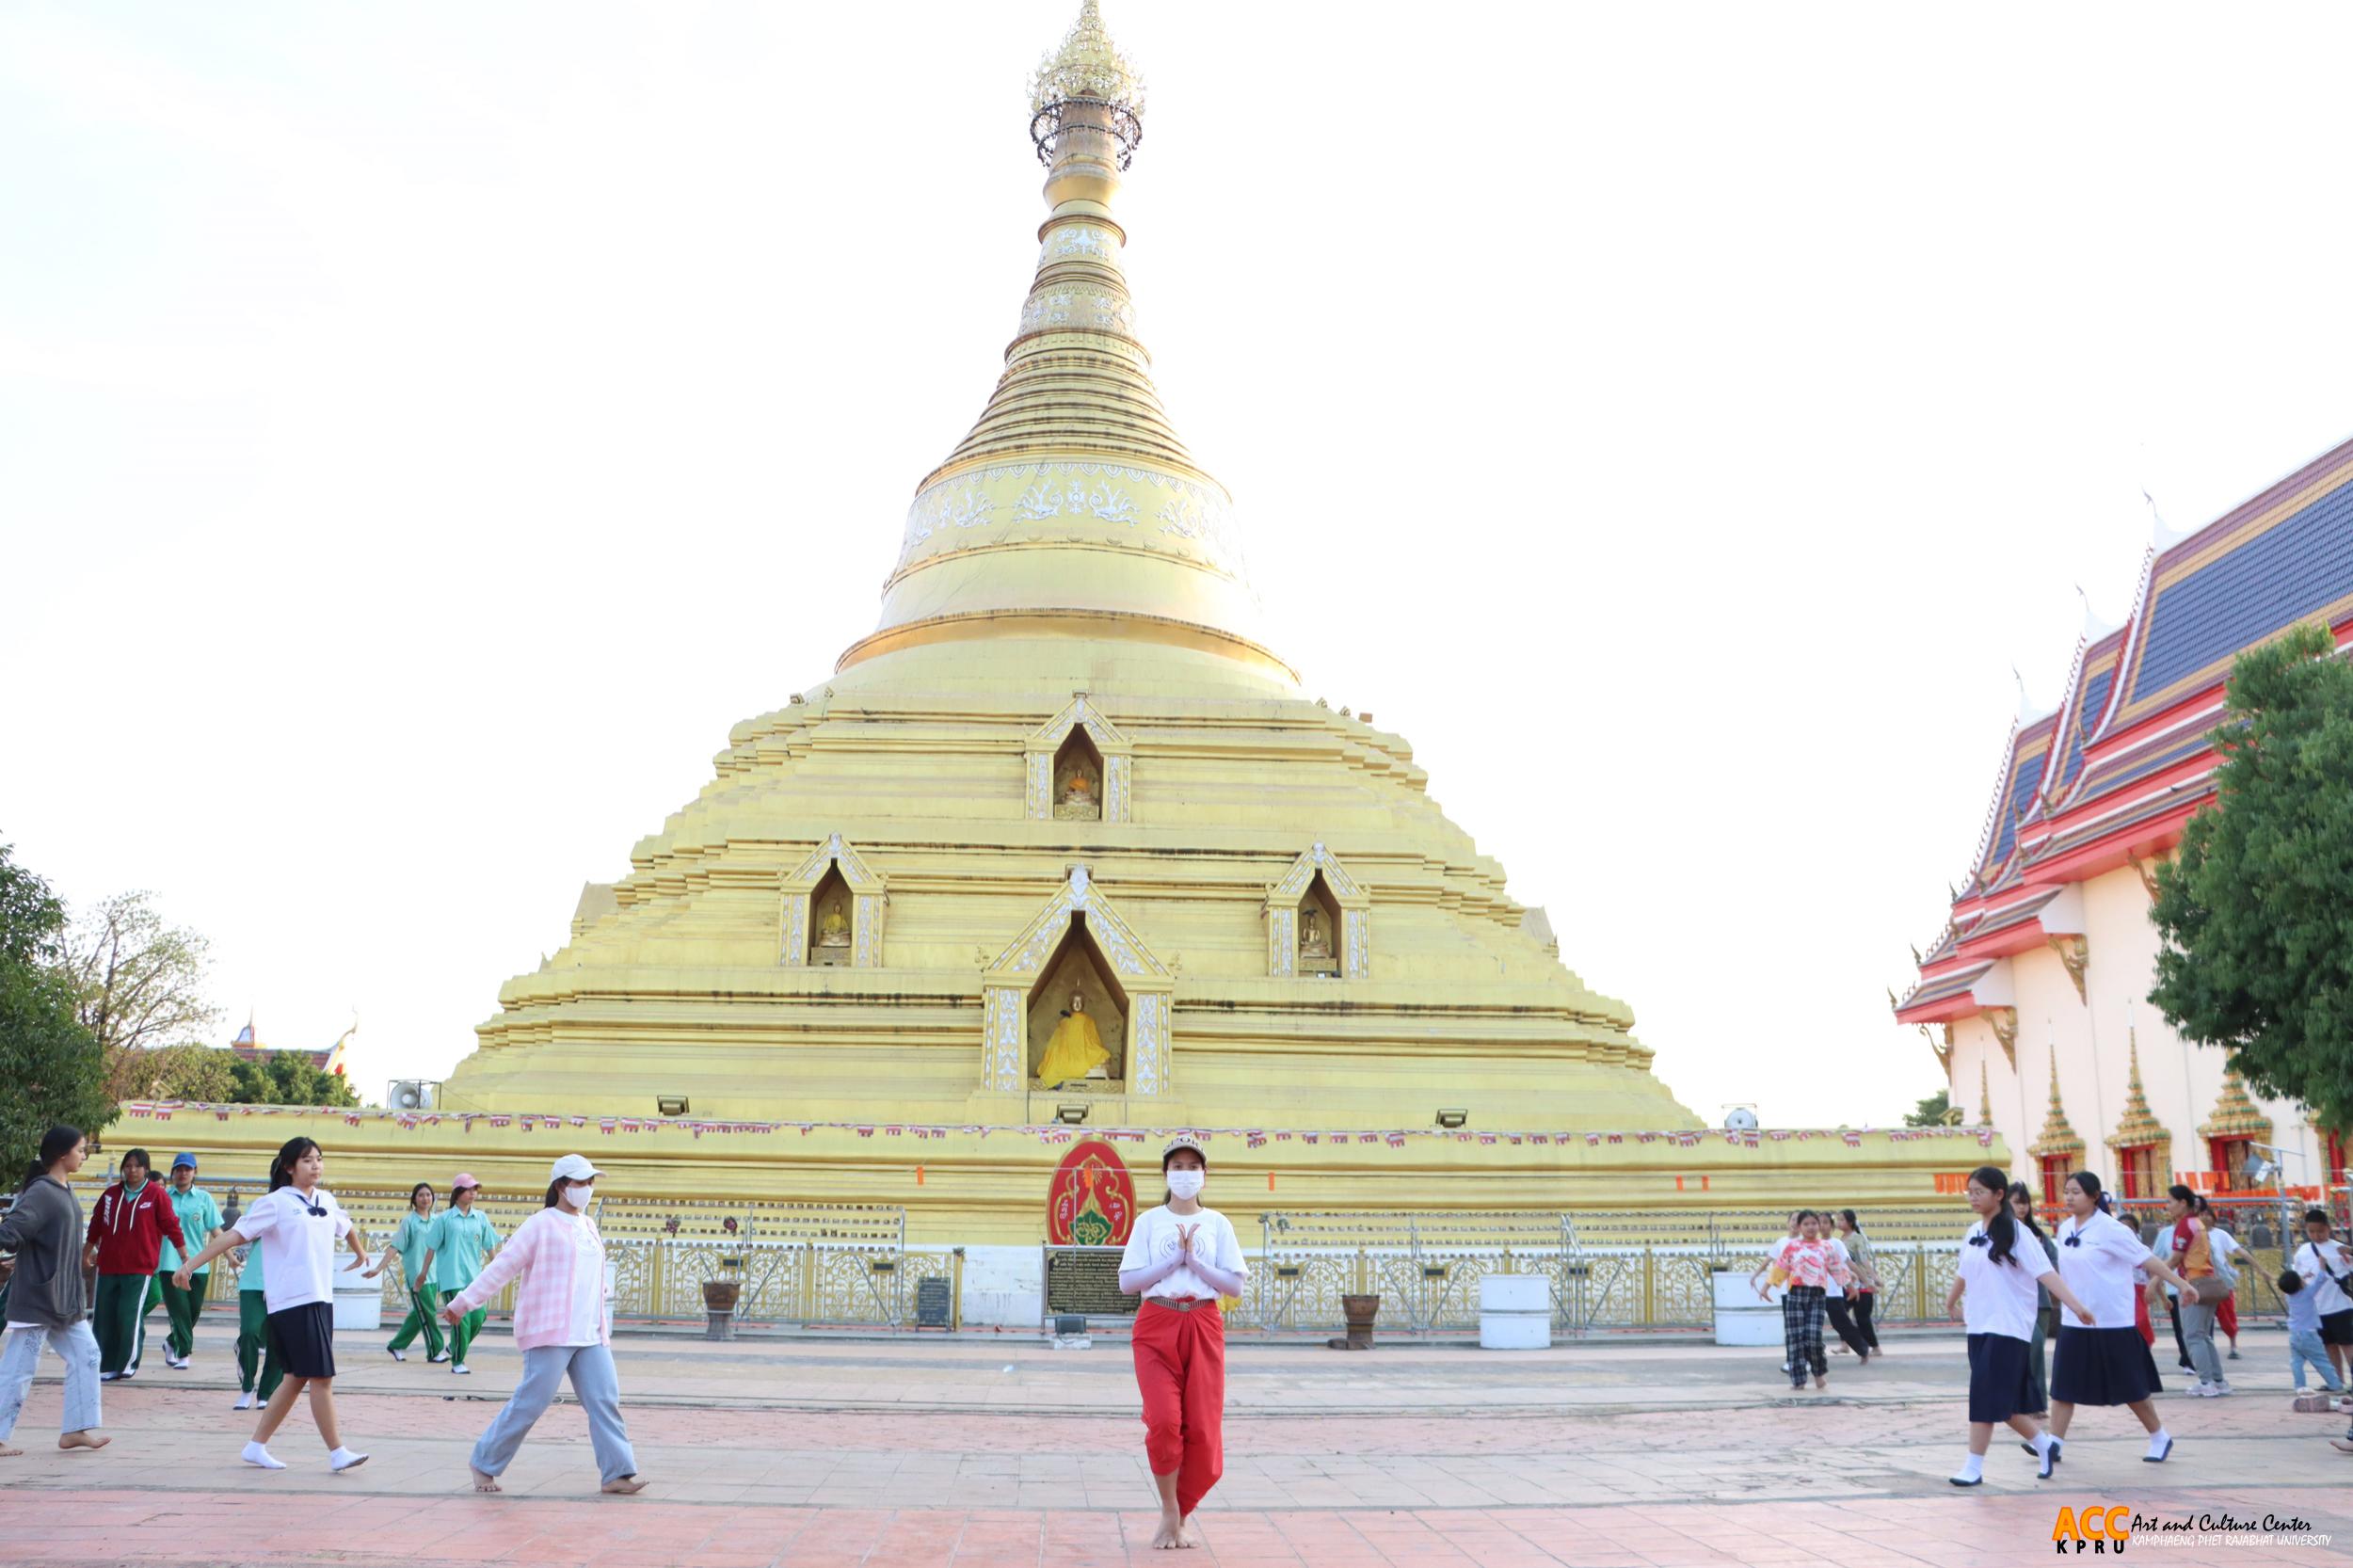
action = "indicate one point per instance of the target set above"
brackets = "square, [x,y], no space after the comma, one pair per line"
[1188,1533]
[1170,1536]
[84,1439]
[485,1483]
[627,1486]
[7,1452]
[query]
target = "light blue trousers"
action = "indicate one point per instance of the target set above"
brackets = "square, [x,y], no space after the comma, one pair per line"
[2303,1346]
[594,1383]
[77,1347]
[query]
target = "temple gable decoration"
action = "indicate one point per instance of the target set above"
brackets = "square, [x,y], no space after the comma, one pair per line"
[832,910]
[1079,768]
[1078,942]
[1318,920]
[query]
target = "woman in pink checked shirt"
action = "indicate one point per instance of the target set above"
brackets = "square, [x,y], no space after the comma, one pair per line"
[563,1324]
[1813,1265]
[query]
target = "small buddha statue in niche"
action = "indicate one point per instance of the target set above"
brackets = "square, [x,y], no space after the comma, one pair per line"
[1076,1051]
[833,927]
[1314,939]
[1078,799]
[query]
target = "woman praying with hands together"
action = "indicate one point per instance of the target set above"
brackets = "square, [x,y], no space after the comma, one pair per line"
[1181,1257]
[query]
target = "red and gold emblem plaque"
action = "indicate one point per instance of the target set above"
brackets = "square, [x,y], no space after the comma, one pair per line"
[1092,1201]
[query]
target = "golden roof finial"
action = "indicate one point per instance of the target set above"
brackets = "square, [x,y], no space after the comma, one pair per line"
[2057,1137]
[2139,1127]
[1087,66]
[2235,1113]
[1985,1100]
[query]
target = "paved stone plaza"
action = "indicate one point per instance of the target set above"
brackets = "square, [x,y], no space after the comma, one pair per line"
[812,1452]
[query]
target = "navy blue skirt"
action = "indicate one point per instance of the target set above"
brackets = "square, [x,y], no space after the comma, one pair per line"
[2102,1366]
[2001,1379]
[302,1338]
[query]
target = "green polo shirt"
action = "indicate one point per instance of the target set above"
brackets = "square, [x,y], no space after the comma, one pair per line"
[411,1240]
[200,1216]
[458,1240]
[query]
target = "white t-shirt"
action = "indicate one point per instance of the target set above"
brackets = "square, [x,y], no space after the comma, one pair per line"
[1155,1239]
[298,1246]
[1838,1247]
[2096,1258]
[2316,1264]
[1999,1298]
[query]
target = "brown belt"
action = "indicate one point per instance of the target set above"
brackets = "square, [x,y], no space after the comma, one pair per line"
[1178,1304]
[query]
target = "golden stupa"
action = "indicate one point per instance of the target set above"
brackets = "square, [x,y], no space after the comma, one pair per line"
[1069,802]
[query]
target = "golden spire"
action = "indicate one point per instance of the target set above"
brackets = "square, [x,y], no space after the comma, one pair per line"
[1072,508]
[2235,1113]
[2057,1137]
[1087,66]
[2139,1125]
[1985,1100]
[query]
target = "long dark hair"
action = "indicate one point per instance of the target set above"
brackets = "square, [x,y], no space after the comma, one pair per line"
[419,1187]
[1853,1225]
[2020,1189]
[292,1151]
[2002,1229]
[55,1144]
[2087,1183]
[556,1191]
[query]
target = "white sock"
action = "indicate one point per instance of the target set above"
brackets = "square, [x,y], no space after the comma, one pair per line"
[343,1457]
[2158,1439]
[1973,1468]
[2041,1440]
[256,1454]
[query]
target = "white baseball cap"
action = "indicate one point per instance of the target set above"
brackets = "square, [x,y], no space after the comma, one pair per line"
[573,1167]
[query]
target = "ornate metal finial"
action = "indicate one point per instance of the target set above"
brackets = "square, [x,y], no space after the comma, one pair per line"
[1089,69]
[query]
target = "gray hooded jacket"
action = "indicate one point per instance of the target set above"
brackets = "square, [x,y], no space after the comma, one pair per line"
[44,1230]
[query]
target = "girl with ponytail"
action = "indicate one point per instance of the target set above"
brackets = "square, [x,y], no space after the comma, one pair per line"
[1996,1284]
[45,1302]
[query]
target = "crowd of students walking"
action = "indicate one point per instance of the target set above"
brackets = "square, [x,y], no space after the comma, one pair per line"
[150,1242]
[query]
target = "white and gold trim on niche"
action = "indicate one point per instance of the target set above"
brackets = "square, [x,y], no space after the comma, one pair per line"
[1078,768]
[832,911]
[1318,920]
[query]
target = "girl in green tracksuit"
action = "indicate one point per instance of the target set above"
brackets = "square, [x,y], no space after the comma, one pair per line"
[413,1242]
[258,1370]
[460,1241]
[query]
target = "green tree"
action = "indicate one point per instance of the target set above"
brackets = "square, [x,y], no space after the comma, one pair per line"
[288,1078]
[138,985]
[51,1065]
[1930,1111]
[2257,911]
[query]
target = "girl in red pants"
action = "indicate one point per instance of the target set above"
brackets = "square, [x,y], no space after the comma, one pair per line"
[1181,1257]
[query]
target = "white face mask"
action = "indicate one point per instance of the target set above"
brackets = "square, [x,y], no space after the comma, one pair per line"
[577,1197]
[1186,1184]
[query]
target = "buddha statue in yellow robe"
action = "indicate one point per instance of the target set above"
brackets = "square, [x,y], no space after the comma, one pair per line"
[1076,1049]
[833,928]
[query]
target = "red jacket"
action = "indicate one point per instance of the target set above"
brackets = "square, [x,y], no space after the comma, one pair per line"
[129,1230]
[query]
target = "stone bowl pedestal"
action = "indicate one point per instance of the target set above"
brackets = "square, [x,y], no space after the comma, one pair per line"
[719,1296]
[1360,1311]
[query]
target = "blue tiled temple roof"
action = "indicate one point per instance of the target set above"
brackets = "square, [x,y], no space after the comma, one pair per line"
[2018,792]
[2299,566]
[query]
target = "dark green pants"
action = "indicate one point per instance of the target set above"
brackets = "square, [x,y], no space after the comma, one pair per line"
[462,1332]
[181,1307]
[254,1349]
[120,1320]
[424,1315]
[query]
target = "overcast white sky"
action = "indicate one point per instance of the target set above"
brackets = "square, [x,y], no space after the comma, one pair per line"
[425,430]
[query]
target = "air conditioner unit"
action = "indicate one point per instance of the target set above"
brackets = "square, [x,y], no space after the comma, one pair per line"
[413,1094]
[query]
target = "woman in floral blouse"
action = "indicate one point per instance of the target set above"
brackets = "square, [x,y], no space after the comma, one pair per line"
[1812,1266]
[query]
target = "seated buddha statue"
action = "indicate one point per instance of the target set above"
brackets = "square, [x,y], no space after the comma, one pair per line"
[1076,1049]
[1314,940]
[1078,798]
[833,927]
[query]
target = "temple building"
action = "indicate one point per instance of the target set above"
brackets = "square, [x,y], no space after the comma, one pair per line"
[1062,847]
[2034,994]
